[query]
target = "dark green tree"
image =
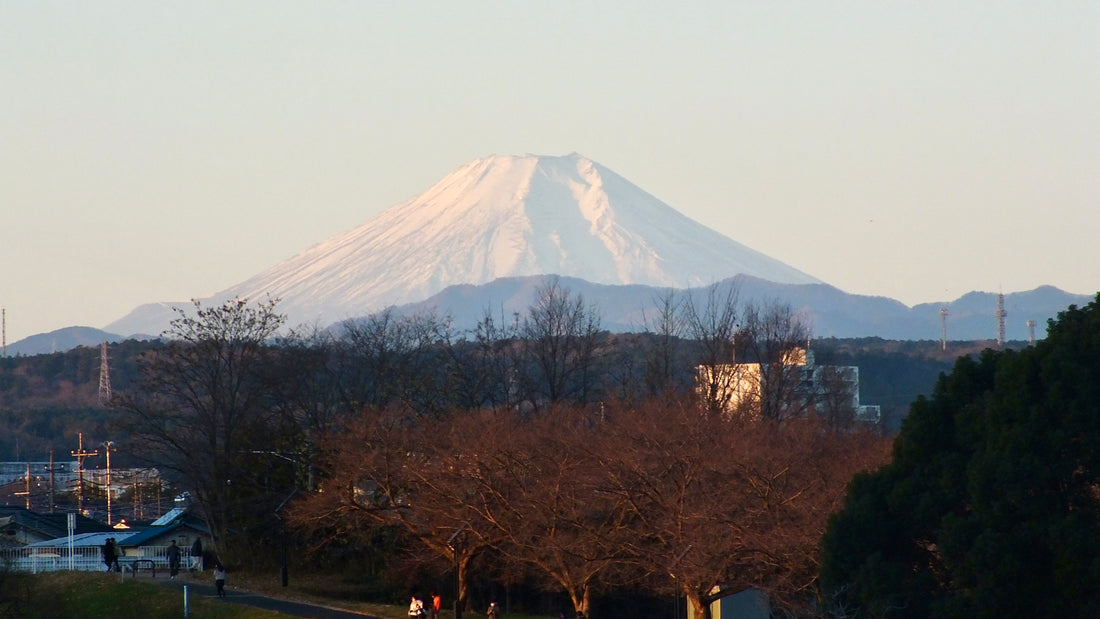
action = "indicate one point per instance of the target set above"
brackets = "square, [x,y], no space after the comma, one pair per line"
[991,506]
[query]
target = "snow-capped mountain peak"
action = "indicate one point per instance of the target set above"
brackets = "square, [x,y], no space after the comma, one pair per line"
[507,216]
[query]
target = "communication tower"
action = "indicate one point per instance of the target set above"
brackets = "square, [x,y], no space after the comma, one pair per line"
[1031,333]
[943,338]
[104,375]
[1001,315]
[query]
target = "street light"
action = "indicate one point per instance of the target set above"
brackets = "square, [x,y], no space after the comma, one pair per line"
[452,543]
[284,571]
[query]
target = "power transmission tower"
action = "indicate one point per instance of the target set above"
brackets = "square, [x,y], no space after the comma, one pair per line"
[104,375]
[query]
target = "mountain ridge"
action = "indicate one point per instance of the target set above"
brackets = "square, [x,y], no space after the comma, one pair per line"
[503,217]
[832,312]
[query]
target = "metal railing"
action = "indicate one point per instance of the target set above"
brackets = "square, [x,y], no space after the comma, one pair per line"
[81,559]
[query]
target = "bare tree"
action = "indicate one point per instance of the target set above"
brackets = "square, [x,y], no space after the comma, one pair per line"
[835,399]
[775,337]
[724,504]
[712,325]
[484,364]
[560,336]
[388,358]
[540,487]
[203,410]
[667,327]
[393,467]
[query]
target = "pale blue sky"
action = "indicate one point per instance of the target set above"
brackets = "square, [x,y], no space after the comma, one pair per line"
[158,151]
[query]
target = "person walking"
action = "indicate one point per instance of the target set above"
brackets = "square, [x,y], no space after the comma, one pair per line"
[196,555]
[110,553]
[219,578]
[173,559]
[437,605]
[493,612]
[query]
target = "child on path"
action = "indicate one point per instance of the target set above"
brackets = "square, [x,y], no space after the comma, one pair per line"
[219,579]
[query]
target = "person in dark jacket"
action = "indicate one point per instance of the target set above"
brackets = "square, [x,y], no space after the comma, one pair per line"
[196,555]
[110,553]
[173,559]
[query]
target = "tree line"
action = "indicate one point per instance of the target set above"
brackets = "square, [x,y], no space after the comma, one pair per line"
[496,445]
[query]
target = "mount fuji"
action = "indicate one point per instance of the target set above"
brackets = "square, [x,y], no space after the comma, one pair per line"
[497,217]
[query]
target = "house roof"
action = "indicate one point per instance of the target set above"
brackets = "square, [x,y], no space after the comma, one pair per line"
[170,517]
[50,525]
[151,533]
[83,539]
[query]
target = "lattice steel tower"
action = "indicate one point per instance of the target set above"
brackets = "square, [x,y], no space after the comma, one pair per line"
[104,375]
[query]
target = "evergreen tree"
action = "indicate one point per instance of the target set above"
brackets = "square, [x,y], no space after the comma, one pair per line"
[991,506]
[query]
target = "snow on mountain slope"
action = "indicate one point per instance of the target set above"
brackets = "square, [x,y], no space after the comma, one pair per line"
[507,216]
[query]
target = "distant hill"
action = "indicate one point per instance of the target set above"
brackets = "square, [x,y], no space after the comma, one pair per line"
[832,312]
[61,340]
[623,308]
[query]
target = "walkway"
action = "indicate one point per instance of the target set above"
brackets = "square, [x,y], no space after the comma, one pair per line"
[235,596]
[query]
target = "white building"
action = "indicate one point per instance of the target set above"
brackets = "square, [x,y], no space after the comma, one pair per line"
[831,391]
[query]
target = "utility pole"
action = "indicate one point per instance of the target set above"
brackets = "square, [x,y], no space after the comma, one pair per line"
[51,482]
[108,446]
[80,454]
[27,493]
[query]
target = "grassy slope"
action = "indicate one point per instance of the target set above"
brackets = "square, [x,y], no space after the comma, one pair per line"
[64,595]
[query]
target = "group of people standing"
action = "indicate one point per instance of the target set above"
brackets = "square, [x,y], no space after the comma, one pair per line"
[416,607]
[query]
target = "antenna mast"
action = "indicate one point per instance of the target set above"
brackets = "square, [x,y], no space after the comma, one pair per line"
[1001,314]
[943,338]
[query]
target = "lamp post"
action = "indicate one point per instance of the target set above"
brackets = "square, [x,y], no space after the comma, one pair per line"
[452,543]
[284,571]
[671,567]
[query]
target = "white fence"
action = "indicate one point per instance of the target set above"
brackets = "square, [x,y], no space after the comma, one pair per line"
[82,558]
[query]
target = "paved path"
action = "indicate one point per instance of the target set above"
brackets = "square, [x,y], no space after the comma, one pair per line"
[286,607]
